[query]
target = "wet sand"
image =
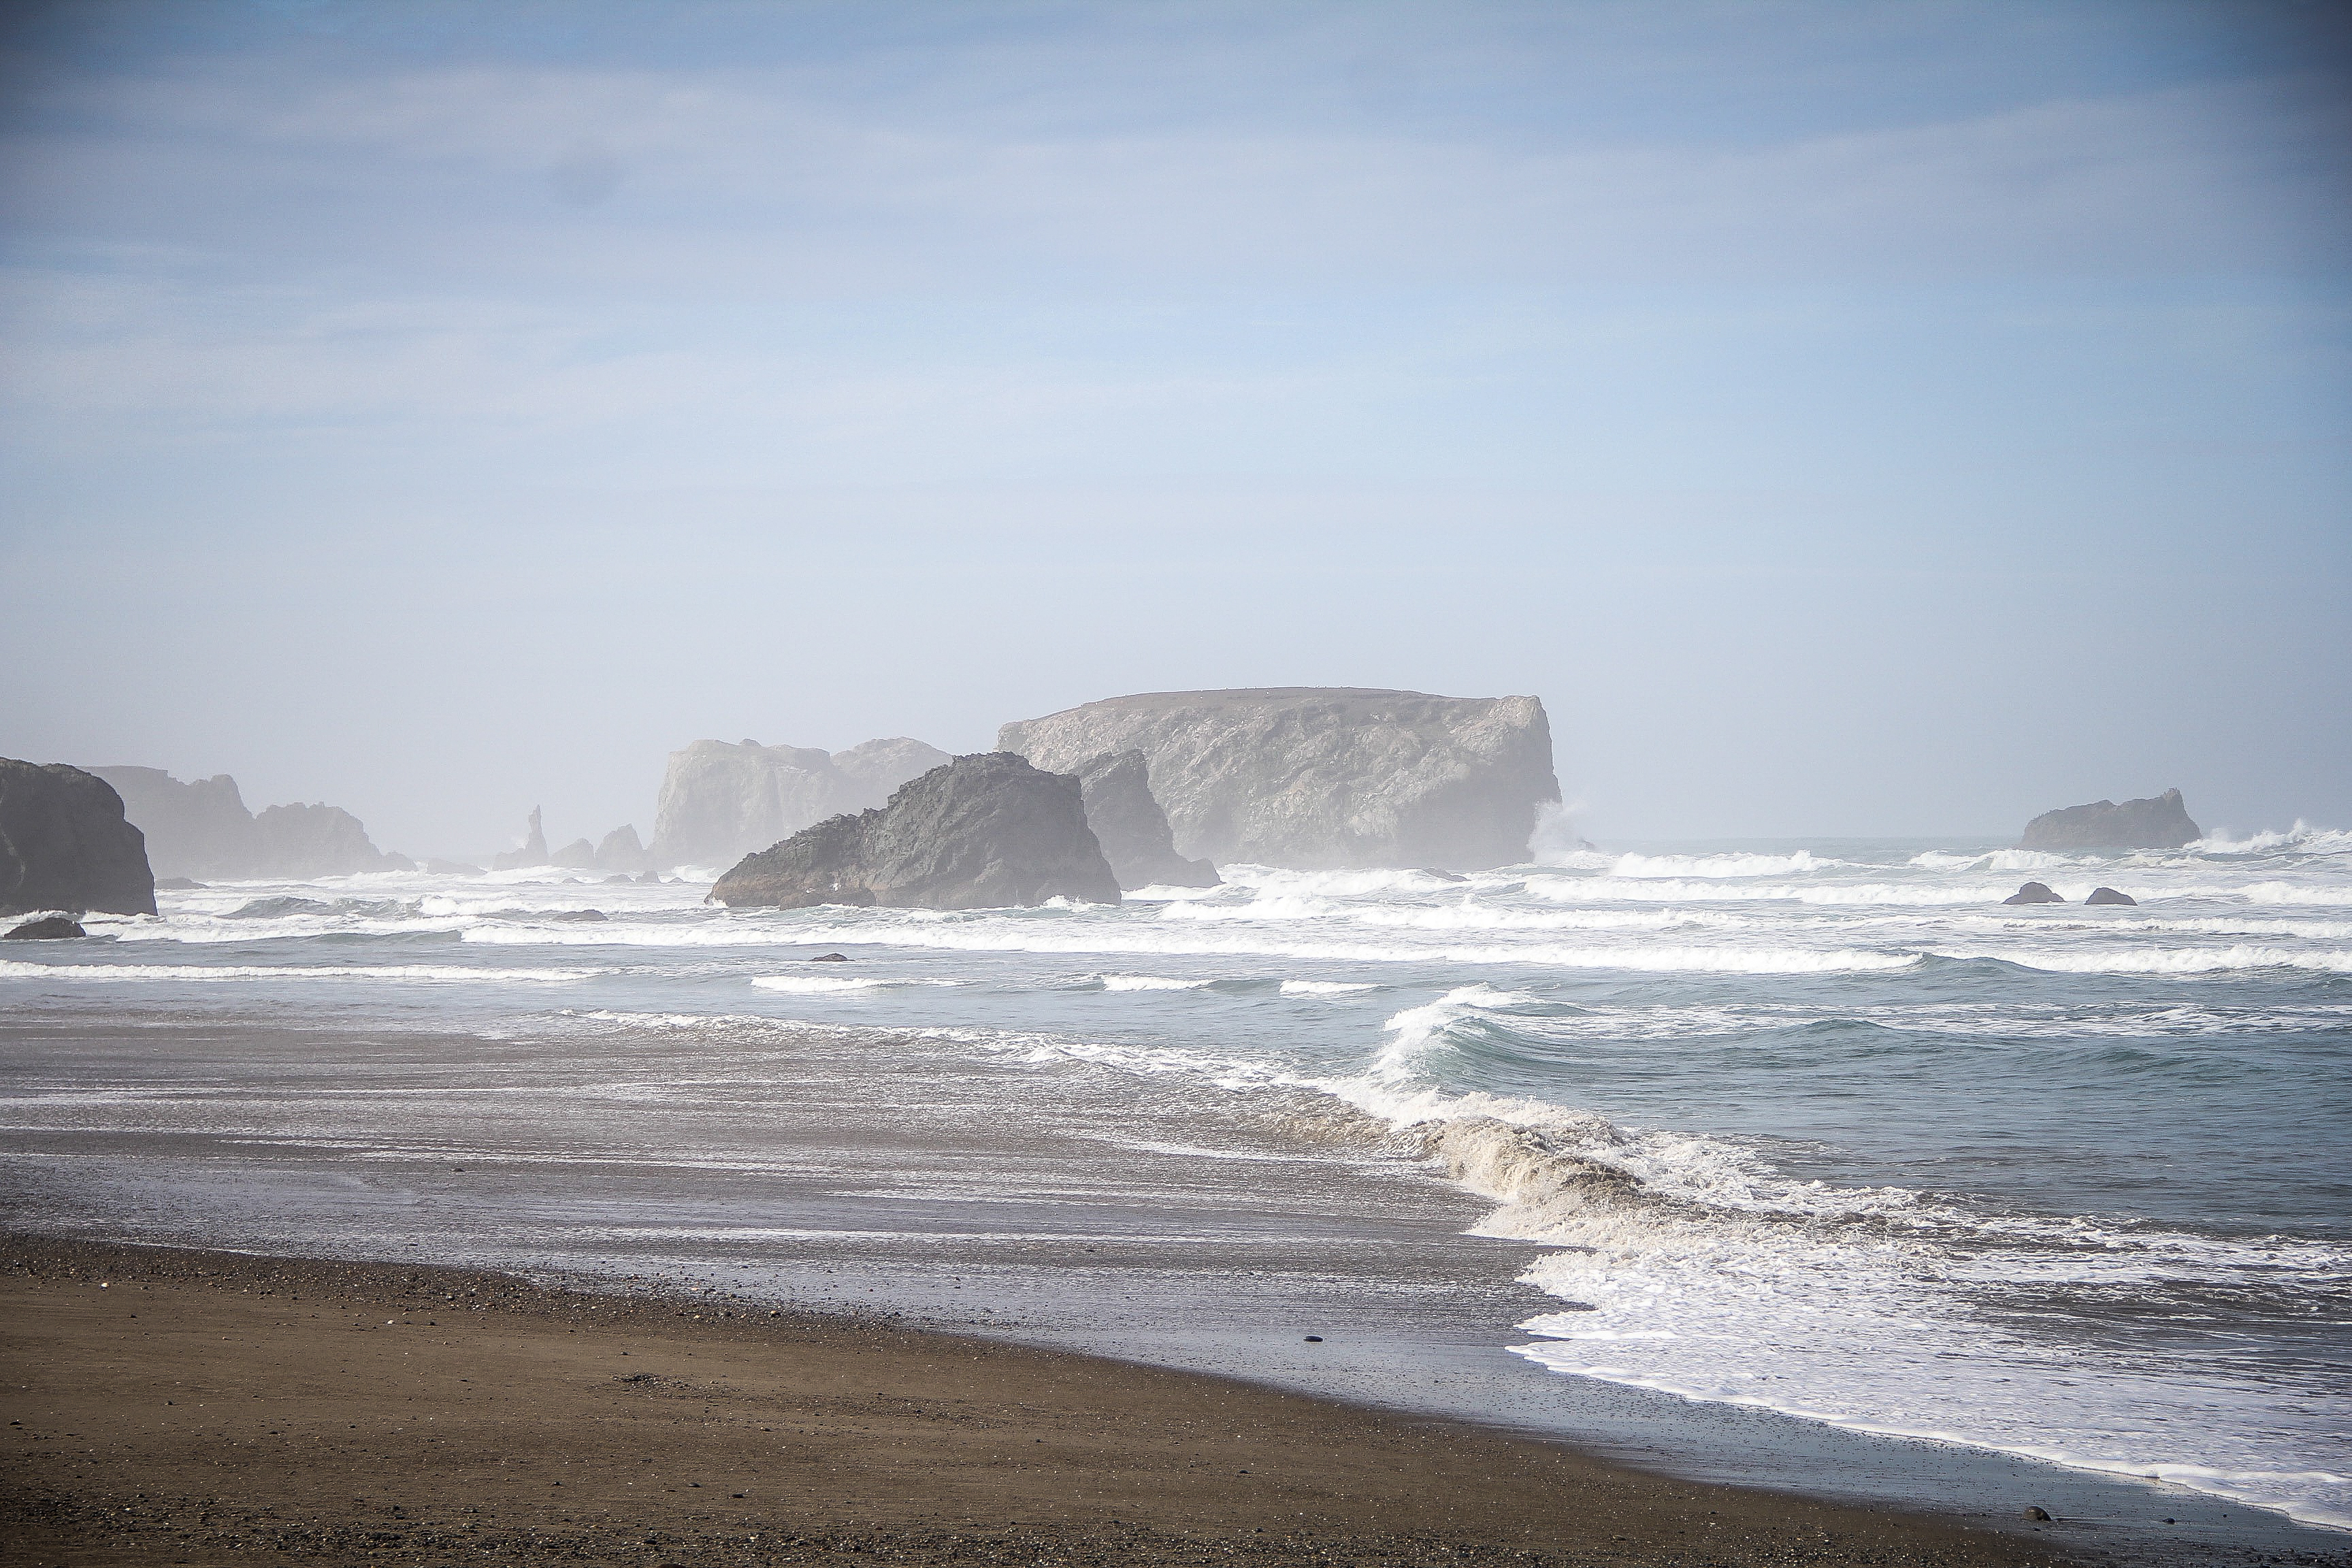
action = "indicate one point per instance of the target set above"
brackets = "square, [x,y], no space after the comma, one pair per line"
[170,1407]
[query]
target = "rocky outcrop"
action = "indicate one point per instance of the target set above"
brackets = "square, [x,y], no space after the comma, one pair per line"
[619,850]
[2159,823]
[48,928]
[202,828]
[66,845]
[2034,893]
[577,856]
[720,801]
[2109,896]
[300,842]
[1323,778]
[1131,826]
[983,832]
[533,851]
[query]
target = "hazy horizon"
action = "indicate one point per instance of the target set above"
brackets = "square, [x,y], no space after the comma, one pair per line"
[1850,420]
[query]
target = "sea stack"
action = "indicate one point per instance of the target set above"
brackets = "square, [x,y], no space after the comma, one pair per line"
[201,828]
[65,844]
[1132,829]
[1322,778]
[987,831]
[2160,821]
[2034,893]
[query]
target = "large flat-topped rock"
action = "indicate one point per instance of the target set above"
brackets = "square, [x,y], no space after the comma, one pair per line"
[1323,777]
[2159,822]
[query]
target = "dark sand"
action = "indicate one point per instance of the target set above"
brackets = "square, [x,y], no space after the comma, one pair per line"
[169,1406]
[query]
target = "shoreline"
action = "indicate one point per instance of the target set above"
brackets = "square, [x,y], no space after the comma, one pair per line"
[188,1406]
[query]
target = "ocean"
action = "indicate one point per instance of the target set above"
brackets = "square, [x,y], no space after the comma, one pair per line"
[1806,1165]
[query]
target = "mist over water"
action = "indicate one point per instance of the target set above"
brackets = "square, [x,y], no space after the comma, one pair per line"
[1818,1129]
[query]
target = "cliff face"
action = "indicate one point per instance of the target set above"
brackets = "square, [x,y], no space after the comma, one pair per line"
[719,802]
[1132,829]
[1323,778]
[65,844]
[202,829]
[2158,823]
[982,832]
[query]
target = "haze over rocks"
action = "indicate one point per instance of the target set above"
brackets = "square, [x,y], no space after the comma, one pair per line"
[1133,831]
[1322,778]
[721,801]
[201,828]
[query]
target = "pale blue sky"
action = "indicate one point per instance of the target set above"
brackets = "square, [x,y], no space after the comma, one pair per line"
[1848,418]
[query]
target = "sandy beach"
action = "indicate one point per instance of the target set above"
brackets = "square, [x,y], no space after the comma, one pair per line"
[173,1407]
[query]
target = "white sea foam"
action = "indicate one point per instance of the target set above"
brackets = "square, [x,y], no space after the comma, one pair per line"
[1149,983]
[1738,864]
[1325,987]
[435,973]
[821,984]
[2168,961]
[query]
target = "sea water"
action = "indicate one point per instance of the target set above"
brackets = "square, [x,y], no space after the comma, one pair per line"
[1822,1130]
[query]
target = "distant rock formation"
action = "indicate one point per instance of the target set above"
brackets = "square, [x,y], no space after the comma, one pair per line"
[66,845]
[1131,826]
[986,831]
[2033,893]
[202,828]
[317,840]
[621,851]
[719,802]
[1323,778]
[533,853]
[2161,822]
[577,856]
[2109,896]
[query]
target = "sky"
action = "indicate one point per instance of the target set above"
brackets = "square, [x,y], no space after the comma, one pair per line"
[1850,419]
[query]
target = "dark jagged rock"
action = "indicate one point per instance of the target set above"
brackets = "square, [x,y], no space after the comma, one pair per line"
[1131,826]
[2160,821]
[48,928]
[201,828]
[2109,896]
[65,844]
[2033,893]
[1324,778]
[830,958]
[533,853]
[986,831]
[580,916]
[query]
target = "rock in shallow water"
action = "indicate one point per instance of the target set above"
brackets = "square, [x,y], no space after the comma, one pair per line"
[48,928]
[2109,896]
[2033,893]
[65,844]
[1133,831]
[987,831]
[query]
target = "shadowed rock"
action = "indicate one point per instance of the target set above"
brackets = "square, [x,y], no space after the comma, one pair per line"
[987,831]
[1131,828]
[48,928]
[65,844]
[621,851]
[2033,893]
[533,853]
[1323,778]
[2109,896]
[577,856]
[317,840]
[2160,821]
